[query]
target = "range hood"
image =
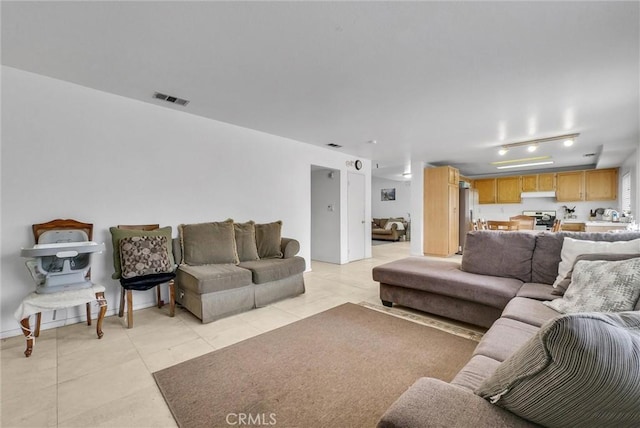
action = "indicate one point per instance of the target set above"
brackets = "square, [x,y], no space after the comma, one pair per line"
[549,194]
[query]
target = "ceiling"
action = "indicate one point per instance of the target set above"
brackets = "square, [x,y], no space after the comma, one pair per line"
[432,82]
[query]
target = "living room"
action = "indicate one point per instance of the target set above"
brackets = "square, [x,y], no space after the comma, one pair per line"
[83,138]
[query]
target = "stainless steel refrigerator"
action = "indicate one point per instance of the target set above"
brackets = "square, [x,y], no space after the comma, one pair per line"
[468,205]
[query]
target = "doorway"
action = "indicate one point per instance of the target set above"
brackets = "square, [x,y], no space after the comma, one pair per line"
[325,214]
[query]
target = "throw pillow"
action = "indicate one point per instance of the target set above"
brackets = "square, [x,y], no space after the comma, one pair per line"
[577,370]
[117,234]
[246,241]
[564,284]
[208,243]
[268,240]
[572,248]
[601,286]
[144,255]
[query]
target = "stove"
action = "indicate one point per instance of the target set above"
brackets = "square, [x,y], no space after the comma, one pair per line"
[544,219]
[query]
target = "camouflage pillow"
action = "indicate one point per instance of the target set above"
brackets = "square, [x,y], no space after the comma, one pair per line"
[144,255]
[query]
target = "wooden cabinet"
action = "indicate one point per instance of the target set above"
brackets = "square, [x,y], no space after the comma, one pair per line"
[486,190]
[601,184]
[570,186]
[508,190]
[538,182]
[546,182]
[529,183]
[441,218]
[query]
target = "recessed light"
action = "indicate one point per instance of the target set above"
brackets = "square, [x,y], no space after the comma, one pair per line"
[522,165]
[502,151]
[532,148]
[568,143]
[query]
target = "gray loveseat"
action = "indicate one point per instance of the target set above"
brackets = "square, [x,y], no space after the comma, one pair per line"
[510,303]
[227,268]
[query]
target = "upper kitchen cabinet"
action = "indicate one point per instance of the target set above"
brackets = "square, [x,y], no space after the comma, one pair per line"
[546,182]
[486,190]
[570,186]
[508,190]
[539,183]
[601,184]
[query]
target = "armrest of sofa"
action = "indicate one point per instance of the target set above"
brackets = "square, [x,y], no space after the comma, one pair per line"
[289,247]
[433,403]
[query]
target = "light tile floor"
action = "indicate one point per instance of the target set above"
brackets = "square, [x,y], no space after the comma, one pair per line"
[74,380]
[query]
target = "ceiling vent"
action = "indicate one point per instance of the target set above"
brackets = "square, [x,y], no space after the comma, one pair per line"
[337,146]
[170,99]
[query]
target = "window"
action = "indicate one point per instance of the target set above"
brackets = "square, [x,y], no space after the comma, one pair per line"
[626,192]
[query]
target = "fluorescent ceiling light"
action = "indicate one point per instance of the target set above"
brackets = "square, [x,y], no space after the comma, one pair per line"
[534,158]
[522,165]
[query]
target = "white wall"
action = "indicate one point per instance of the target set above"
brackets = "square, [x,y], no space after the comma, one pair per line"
[73,152]
[631,166]
[401,207]
[325,215]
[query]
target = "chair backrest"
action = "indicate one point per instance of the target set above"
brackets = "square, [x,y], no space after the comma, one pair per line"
[557,223]
[525,222]
[139,226]
[480,224]
[502,225]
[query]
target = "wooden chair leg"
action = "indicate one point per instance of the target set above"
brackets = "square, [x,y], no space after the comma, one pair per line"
[160,301]
[129,309]
[38,320]
[103,310]
[172,298]
[88,313]
[121,310]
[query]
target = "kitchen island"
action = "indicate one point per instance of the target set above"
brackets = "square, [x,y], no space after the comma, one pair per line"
[594,226]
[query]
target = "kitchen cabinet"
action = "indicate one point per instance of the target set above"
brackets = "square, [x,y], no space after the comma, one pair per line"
[601,184]
[546,182]
[529,183]
[572,227]
[508,190]
[441,218]
[486,190]
[570,186]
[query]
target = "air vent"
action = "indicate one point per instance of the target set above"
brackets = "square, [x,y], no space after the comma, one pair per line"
[334,145]
[588,155]
[170,99]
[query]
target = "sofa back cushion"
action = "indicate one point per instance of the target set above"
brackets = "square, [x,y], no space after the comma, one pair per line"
[578,370]
[208,243]
[548,250]
[499,253]
[246,241]
[268,240]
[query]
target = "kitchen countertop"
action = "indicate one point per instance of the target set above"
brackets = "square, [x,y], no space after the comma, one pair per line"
[597,222]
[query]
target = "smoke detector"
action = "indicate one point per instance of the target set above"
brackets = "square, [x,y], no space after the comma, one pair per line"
[170,99]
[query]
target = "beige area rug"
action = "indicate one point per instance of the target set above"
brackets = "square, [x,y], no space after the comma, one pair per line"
[340,368]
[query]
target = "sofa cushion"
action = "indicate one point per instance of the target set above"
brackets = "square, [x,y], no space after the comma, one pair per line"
[578,370]
[572,248]
[208,243]
[446,278]
[601,286]
[246,241]
[274,269]
[203,279]
[268,240]
[497,253]
[564,284]
[504,338]
[475,372]
[529,311]
[538,291]
[117,234]
[546,256]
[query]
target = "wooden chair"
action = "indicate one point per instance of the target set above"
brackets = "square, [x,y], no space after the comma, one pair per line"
[480,224]
[62,224]
[502,225]
[143,283]
[557,224]
[525,222]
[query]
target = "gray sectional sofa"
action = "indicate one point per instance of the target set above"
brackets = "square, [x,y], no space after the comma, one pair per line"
[226,267]
[501,283]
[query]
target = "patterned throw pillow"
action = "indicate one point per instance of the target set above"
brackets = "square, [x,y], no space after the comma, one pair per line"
[144,255]
[601,286]
[578,370]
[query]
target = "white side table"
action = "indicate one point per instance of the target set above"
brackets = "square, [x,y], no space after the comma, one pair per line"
[36,303]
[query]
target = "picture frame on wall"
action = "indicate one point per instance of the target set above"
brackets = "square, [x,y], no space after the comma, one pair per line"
[388,195]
